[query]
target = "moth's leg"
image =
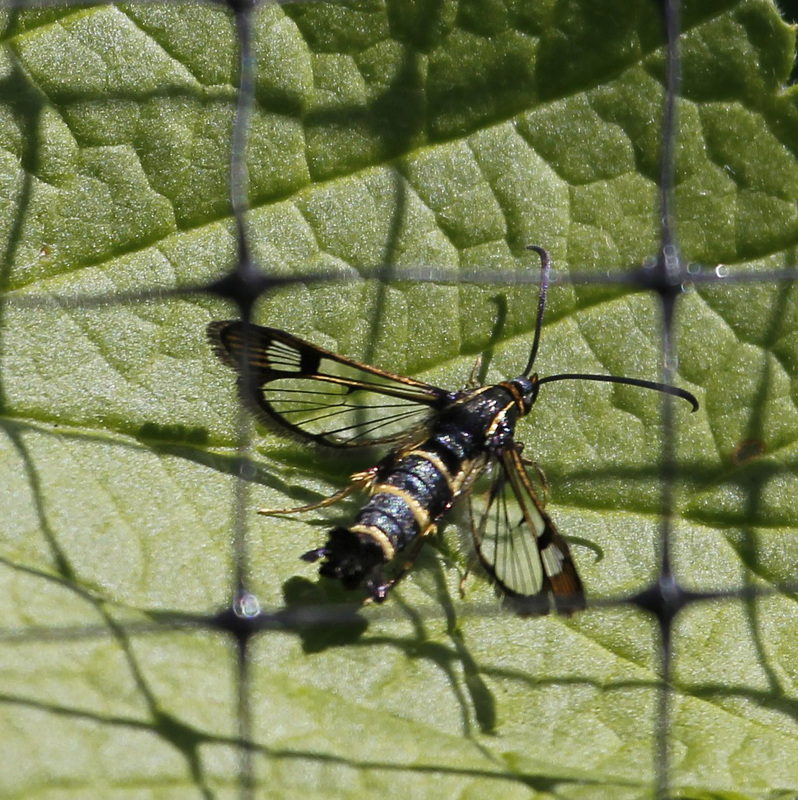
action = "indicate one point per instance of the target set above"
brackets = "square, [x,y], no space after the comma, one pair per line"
[377,587]
[360,480]
[461,586]
[473,380]
[527,462]
[544,484]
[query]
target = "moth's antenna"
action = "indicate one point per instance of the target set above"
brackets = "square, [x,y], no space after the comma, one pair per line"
[545,269]
[665,388]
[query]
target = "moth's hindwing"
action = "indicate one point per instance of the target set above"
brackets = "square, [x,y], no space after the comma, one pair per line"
[517,543]
[320,395]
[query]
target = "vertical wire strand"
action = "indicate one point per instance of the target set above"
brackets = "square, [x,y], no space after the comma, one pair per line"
[245,606]
[240,204]
[239,176]
[670,268]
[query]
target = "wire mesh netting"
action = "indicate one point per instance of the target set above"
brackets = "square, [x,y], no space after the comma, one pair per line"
[368,176]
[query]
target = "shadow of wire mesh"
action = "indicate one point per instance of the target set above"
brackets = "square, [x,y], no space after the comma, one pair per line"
[390,164]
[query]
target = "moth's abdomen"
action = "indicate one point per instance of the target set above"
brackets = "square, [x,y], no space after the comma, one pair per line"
[411,493]
[406,501]
[408,498]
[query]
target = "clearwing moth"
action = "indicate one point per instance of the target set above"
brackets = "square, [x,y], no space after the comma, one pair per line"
[440,445]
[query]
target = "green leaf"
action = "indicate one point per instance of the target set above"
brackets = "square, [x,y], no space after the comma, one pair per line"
[422,136]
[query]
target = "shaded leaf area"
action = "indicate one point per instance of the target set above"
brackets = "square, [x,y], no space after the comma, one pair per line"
[406,136]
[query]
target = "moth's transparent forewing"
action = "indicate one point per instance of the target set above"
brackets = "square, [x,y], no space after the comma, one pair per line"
[321,395]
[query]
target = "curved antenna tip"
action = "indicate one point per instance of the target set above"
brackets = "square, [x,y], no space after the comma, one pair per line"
[545,269]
